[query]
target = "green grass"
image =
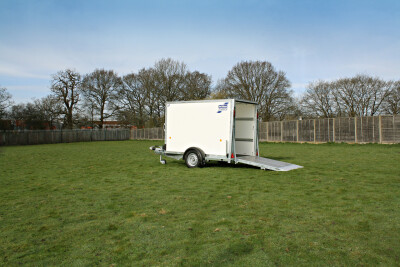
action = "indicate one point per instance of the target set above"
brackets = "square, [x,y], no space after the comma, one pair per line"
[105,203]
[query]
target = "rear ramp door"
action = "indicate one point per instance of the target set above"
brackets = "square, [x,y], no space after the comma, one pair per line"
[265,163]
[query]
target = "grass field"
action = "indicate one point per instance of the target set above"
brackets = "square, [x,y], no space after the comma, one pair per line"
[111,203]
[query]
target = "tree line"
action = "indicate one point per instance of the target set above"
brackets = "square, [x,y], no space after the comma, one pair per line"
[361,95]
[138,98]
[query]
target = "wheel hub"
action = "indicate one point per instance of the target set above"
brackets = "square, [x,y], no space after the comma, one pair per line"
[192,159]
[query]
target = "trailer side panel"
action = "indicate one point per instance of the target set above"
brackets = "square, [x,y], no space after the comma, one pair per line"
[205,125]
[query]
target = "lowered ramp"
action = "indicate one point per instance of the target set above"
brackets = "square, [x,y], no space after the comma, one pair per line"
[265,163]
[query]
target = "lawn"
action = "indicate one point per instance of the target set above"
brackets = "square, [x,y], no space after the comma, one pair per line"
[113,203]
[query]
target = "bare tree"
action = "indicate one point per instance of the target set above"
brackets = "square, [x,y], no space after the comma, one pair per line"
[101,88]
[132,99]
[64,86]
[392,103]
[29,116]
[50,108]
[163,82]
[154,96]
[170,78]
[345,91]
[220,91]
[144,94]
[259,81]
[88,112]
[197,86]
[360,95]
[319,100]
[5,101]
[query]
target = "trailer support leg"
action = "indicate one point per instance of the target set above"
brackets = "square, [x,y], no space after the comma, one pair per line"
[162,161]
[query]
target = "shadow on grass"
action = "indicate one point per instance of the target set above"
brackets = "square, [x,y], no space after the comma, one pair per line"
[233,252]
[215,164]
[223,164]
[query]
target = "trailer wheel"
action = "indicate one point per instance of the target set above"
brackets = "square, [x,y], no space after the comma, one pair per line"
[193,159]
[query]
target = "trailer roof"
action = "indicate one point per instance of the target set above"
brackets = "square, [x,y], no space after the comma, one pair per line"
[213,100]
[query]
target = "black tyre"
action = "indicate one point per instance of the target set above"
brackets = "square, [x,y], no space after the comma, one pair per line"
[193,159]
[202,163]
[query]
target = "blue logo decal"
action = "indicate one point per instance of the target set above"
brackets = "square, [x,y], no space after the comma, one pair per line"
[222,107]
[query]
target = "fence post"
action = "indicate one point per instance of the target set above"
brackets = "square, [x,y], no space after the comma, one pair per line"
[267,130]
[380,129]
[281,131]
[394,131]
[373,129]
[297,130]
[355,130]
[328,132]
[314,131]
[333,129]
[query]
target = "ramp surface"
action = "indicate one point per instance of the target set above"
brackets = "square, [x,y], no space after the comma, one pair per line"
[265,163]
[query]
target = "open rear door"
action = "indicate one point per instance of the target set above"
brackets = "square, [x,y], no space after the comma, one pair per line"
[245,129]
[246,140]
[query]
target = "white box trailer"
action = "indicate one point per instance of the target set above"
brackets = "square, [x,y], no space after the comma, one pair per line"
[221,130]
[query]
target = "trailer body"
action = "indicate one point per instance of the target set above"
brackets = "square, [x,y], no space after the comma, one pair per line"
[222,130]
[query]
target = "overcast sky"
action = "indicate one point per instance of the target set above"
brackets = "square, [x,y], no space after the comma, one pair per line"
[309,40]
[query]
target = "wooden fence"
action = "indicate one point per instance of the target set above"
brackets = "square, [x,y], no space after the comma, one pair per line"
[379,129]
[9,138]
[148,134]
